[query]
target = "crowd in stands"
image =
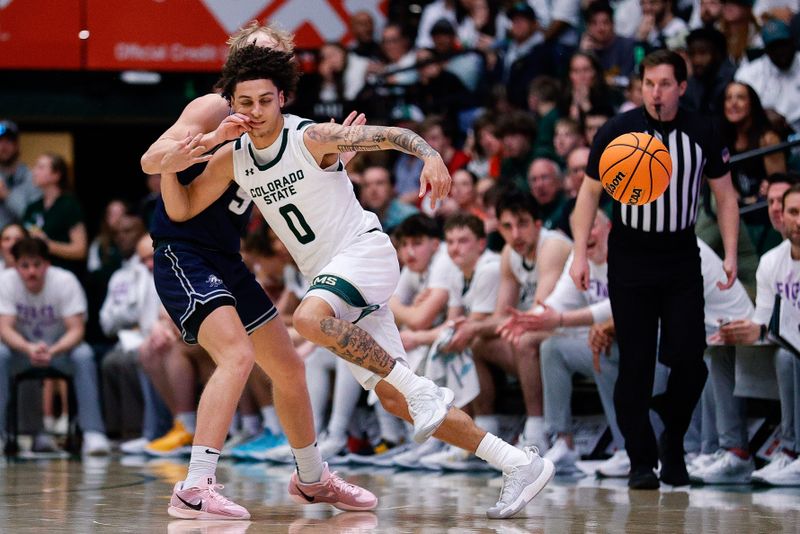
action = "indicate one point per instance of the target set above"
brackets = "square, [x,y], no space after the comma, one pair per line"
[511,94]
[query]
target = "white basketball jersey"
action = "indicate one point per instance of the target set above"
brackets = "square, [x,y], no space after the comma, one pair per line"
[527,274]
[314,212]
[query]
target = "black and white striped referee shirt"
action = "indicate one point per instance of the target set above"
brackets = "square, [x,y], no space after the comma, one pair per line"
[695,148]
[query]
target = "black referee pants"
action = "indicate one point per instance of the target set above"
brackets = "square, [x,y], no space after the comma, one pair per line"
[656,292]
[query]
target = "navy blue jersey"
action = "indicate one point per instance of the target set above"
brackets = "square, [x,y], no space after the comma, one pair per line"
[218,227]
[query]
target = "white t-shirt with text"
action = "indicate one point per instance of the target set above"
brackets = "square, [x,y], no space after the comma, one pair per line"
[40,317]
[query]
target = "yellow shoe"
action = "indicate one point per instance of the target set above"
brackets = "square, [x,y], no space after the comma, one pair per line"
[176,442]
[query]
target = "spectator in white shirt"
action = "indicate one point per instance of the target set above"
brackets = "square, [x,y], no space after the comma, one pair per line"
[659,24]
[778,274]
[566,314]
[42,324]
[776,75]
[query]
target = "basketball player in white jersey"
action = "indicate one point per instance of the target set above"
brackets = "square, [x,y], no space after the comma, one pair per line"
[231,345]
[530,265]
[352,264]
[472,292]
[565,316]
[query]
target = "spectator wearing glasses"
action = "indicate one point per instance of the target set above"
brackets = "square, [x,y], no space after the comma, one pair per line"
[546,186]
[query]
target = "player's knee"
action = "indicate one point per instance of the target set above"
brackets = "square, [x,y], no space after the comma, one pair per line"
[238,360]
[82,354]
[307,324]
[529,348]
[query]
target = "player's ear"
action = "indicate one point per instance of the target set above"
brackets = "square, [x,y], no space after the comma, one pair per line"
[281,99]
[682,87]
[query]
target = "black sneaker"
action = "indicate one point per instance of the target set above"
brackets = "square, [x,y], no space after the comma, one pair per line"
[643,478]
[673,464]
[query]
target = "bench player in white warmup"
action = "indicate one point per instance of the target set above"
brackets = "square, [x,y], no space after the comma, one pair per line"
[339,246]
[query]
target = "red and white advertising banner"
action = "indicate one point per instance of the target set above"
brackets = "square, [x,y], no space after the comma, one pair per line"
[190,35]
[40,34]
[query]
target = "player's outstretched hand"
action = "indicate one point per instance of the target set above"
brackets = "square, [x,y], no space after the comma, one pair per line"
[353,119]
[184,154]
[435,174]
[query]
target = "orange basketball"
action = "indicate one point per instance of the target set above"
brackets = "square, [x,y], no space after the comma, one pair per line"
[635,168]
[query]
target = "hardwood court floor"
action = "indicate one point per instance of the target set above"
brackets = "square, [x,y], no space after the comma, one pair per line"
[106,496]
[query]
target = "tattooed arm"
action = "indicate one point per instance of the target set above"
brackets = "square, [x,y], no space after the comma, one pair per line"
[328,138]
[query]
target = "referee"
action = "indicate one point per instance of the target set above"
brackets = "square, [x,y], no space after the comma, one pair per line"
[654,278]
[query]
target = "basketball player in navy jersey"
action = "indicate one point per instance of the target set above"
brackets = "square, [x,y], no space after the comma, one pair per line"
[216,302]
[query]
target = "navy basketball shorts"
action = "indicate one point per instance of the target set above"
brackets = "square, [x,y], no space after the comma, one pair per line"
[192,282]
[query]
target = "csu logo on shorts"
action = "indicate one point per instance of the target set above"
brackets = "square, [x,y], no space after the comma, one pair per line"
[249,172]
[213,281]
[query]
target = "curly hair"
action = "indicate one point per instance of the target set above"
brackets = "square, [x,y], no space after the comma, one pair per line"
[247,35]
[254,62]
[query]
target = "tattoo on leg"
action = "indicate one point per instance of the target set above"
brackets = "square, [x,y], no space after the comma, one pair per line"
[356,346]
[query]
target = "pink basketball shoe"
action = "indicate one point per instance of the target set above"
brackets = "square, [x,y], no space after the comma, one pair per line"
[204,502]
[332,489]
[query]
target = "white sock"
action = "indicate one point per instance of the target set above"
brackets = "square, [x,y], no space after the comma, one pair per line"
[404,381]
[269,418]
[489,423]
[534,427]
[500,454]
[188,420]
[309,463]
[202,466]
[251,424]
